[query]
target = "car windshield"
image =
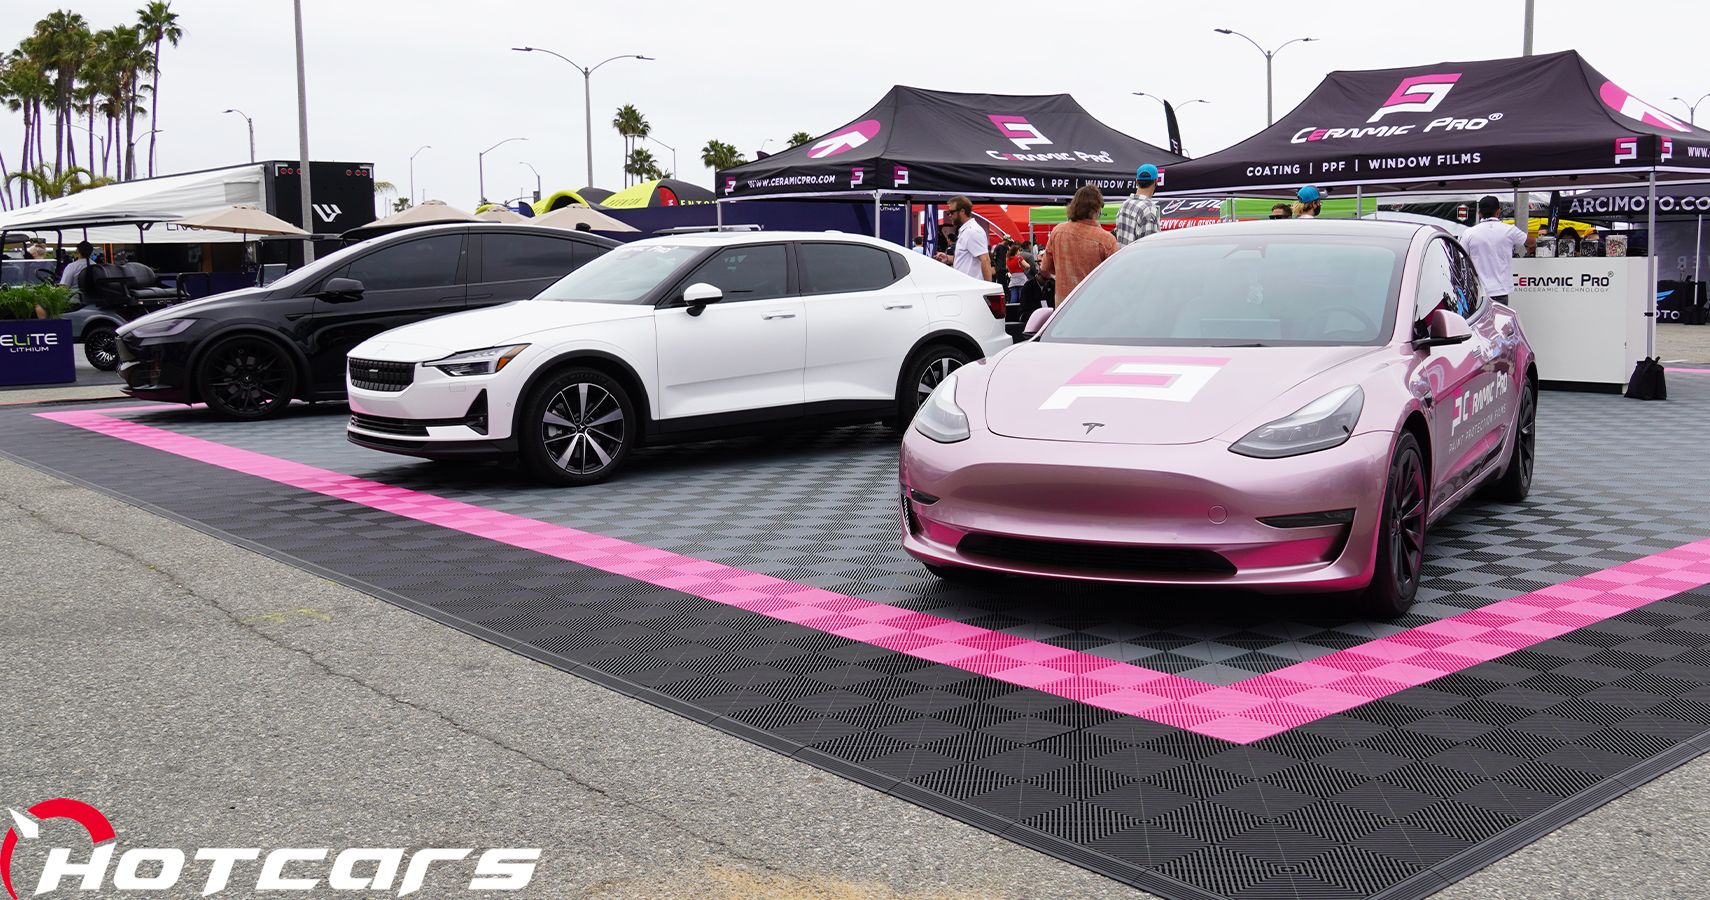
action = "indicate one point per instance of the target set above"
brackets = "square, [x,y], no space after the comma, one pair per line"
[625,275]
[1238,290]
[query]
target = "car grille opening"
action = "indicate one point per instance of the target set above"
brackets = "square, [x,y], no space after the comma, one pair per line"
[384,425]
[1073,555]
[380,375]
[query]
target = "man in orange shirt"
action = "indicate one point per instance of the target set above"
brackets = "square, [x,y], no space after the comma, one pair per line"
[1078,245]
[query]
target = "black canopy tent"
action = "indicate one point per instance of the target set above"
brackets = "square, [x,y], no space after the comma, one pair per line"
[1549,121]
[917,144]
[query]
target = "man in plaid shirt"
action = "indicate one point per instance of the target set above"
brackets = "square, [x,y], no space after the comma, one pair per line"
[1139,214]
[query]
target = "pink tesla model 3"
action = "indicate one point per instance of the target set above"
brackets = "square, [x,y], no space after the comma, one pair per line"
[1280,406]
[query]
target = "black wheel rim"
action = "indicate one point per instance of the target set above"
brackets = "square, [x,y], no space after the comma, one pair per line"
[1528,436]
[584,428]
[248,377]
[1407,521]
[103,350]
[932,375]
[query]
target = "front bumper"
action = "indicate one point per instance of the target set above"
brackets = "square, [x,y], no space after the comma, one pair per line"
[155,369]
[438,416]
[1172,515]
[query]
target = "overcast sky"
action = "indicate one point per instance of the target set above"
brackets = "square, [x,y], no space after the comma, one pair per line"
[387,76]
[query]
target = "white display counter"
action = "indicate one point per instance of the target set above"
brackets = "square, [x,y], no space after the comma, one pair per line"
[1585,316]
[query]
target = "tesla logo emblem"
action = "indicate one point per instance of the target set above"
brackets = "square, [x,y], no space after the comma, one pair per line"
[327,211]
[1173,378]
[1091,425]
[1421,93]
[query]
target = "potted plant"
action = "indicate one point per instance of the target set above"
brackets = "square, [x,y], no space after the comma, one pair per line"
[35,343]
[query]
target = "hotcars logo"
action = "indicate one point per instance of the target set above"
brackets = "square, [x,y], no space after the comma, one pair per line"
[1420,93]
[160,869]
[1174,378]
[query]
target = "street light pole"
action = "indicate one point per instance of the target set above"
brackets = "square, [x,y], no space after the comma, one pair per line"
[587,94]
[536,172]
[670,148]
[303,138]
[413,170]
[1166,103]
[1270,114]
[1692,108]
[251,122]
[481,166]
[1526,32]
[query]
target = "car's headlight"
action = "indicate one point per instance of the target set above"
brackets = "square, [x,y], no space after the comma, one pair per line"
[477,362]
[939,417]
[1324,423]
[162,328]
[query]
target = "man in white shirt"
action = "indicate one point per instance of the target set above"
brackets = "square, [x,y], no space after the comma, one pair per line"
[85,251]
[1492,244]
[972,254]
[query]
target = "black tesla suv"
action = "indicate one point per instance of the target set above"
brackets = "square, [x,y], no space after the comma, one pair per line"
[247,354]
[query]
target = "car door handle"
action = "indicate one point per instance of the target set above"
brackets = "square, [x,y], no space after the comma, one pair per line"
[780,315]
[899,306]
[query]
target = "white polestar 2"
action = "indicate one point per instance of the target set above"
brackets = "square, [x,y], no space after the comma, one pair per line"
[672,339]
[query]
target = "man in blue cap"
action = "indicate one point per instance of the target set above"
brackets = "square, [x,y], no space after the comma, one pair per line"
[1308,202]
[1139,214]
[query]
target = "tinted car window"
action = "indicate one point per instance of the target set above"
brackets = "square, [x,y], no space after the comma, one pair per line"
[1228,290]
[839,268]
[517,257]
[1469,299]
[748,272]
[1436,282]
[425,263]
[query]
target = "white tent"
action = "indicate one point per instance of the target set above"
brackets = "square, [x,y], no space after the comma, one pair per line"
[167,197]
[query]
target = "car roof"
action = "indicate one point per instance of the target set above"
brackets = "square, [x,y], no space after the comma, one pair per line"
[733,238]
[485,228]
[1367,228]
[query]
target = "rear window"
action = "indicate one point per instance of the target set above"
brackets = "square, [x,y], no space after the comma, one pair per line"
[841,268]
[520,257]
[1310,290]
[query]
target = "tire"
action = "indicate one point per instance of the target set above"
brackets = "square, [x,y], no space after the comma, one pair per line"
[1516,481]
[577,428]
[1401,534]
[101,347]
[923,372]
[247,377]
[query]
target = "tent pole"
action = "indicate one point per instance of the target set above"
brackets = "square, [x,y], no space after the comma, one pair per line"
[1698,253]
[1651,267]
[877,231]
[1359,200]
[720,213]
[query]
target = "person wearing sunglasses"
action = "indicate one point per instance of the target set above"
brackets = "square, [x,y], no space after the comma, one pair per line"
[1282,211]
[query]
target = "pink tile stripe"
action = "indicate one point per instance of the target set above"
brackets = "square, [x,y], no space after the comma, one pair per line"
[1689,371]
[1241,713]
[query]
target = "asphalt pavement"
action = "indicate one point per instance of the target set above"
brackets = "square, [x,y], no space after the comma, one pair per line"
[203,695]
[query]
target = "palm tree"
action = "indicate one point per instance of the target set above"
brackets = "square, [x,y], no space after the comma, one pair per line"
[718,155]
[157,23]
[129,58]
[26,88]
[50,184]
[61,41]
[800,138]
[641,164]
[632,125]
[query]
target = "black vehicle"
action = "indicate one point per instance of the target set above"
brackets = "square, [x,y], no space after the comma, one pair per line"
[249,353]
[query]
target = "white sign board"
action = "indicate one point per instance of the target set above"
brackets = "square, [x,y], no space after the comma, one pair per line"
[1584,316]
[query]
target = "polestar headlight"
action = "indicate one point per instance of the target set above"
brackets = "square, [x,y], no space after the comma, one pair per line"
[1324,423]
[939,417]
[477,362]
[162,328]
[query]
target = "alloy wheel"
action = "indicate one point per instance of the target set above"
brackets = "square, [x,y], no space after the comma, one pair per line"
[1407,521]
[1528,435]
[933,374]
[583,428]
[102,350]
[248,378]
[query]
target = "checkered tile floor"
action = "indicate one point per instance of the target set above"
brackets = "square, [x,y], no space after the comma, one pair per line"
[1400,795]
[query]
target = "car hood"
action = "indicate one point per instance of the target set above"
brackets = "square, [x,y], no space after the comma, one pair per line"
[475,329]
[1143,395]
[192,307]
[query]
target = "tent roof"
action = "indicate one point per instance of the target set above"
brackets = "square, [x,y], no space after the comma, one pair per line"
[1549,120]
[113,212]
[647,194]
[931,143]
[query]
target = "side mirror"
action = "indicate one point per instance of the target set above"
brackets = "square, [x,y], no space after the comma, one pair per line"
[1442,328]
[1036,321]
[696,296]
[340,290]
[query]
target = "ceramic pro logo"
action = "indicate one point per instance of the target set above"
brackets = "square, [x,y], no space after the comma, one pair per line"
[1020,132]
[845,140]
[161,869]
[1420,93]
[1633,108]
[1174,378]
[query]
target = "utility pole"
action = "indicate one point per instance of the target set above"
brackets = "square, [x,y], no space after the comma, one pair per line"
[1523,200]
[303,138]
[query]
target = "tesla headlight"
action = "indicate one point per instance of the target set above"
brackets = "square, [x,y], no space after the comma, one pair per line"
[1324,423]
[477,362]
[939,417]
[162,328]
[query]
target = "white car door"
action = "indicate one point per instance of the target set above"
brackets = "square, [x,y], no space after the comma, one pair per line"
[864,315]
[744,352]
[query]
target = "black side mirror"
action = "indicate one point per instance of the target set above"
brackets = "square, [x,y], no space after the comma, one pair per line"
[340,290]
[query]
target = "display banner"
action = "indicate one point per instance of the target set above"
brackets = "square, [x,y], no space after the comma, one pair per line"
[1584,316]
[36,351]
